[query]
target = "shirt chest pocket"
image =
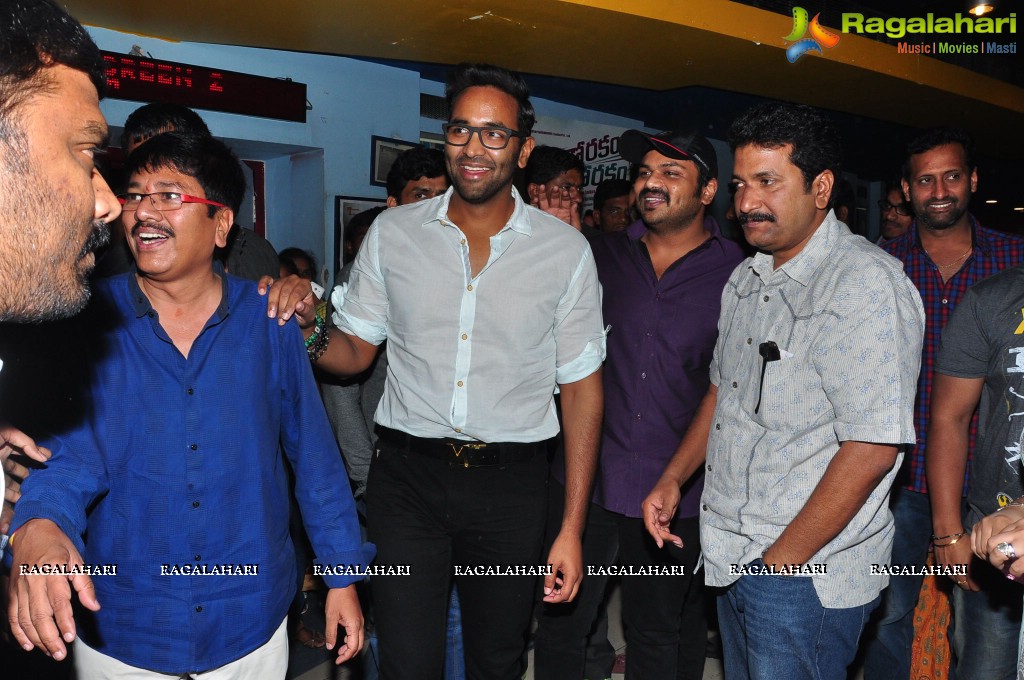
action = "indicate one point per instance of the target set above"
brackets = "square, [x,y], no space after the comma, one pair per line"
[790,394]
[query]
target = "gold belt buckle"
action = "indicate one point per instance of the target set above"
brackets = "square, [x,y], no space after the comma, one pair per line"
[458,451]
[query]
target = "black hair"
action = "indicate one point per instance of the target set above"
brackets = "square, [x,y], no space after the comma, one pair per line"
[612,188]
[548,162]
[152,119]
[204,158]
[363,220]
[940,136]
[844,195]
[465,76]
[289,257]
[412,164]
[287,264]
[816,146]
[35,35]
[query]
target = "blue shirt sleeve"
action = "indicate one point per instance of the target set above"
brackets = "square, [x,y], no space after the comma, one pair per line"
[72,480]
[321,483]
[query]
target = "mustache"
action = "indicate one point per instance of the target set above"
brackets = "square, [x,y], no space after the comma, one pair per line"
[654,192]
[98,237]
[756,217]
[154,227]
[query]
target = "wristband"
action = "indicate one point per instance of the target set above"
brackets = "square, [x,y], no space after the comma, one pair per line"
[952,542]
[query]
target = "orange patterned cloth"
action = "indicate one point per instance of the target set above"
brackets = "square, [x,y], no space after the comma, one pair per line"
[930,652]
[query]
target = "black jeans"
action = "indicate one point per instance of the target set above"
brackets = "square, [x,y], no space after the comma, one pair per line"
[434,516]
[666,628]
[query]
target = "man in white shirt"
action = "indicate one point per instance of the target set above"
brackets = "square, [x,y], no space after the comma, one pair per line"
[487,305]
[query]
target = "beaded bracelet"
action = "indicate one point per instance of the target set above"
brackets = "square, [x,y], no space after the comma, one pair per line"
[316,343]
[321,322]
[319,346]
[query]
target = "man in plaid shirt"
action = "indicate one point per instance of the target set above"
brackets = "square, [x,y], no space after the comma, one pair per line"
[944,253]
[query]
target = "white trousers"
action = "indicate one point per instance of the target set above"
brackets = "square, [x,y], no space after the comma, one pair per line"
[269,661]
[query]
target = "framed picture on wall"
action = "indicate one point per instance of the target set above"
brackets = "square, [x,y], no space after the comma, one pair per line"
[345,208]
[383,152]
[432,140]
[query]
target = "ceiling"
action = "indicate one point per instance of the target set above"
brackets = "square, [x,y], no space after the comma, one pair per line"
[659,61]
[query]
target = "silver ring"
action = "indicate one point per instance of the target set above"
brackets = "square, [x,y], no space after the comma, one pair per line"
[1007,550]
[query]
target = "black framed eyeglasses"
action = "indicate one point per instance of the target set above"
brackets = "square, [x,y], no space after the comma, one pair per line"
[163,201]
[493,137]
[902,208]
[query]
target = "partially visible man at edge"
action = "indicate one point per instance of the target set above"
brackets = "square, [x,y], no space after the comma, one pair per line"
[969,473]
[54,204]
[944,252]
[477,344]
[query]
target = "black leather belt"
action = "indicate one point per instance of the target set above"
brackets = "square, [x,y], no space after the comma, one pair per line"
[461,452]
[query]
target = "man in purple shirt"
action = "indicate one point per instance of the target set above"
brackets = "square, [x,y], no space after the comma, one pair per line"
[663,278]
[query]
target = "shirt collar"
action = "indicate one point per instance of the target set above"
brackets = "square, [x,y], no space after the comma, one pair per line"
[804,265]
[519,221]
[143,306]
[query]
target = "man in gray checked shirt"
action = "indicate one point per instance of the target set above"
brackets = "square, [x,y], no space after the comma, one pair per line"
[813,383]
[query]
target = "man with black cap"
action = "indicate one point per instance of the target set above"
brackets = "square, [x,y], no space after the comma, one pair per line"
[663,278]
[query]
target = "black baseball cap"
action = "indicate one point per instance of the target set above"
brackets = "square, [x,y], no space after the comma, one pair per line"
[680,145]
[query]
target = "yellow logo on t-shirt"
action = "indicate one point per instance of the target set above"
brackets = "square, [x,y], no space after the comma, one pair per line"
[1020,328]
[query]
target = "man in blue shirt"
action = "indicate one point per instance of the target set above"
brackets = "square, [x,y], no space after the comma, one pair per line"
[176,474]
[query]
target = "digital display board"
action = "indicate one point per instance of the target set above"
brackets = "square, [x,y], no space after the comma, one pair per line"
[151,80]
